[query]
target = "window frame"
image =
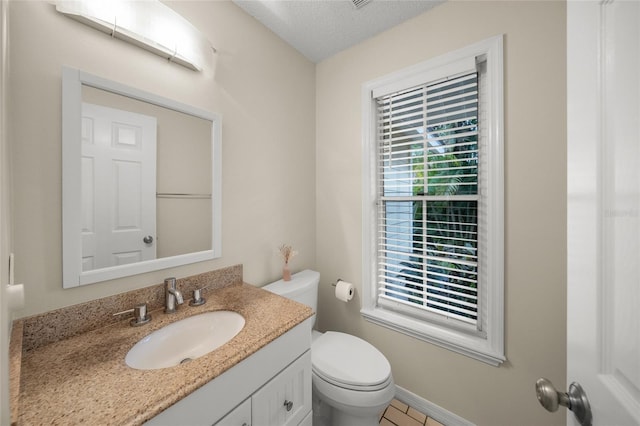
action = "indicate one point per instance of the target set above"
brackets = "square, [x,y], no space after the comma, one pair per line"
[488,345]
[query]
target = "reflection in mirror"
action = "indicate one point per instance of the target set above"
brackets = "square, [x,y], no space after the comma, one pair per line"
[141,181]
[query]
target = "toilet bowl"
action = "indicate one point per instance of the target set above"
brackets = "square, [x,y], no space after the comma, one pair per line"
[351,379]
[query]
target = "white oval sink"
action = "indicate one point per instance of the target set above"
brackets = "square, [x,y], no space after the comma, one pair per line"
[184,340]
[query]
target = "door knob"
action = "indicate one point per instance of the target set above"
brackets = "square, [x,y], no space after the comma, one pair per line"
[148,239]
[288,405]
[575,400]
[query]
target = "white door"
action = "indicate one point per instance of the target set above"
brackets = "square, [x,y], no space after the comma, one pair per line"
[118,187]
[603,183]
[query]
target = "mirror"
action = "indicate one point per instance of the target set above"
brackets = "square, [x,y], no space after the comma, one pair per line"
[141,181]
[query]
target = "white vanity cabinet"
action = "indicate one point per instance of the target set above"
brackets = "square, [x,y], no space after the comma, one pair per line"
[284,401]
[272,387]
[240,416]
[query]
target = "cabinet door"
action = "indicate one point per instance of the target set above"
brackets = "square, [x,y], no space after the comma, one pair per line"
[307,421]
[286,399]
[240,416]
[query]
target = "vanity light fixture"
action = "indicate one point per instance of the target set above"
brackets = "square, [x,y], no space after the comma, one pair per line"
[148,24]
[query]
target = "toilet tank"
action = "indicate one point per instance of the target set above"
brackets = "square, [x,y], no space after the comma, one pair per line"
[302,288]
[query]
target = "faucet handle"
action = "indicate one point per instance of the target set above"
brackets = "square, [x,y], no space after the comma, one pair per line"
[140,315]
[197,298]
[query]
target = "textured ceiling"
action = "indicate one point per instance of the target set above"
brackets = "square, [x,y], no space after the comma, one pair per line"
[321,28]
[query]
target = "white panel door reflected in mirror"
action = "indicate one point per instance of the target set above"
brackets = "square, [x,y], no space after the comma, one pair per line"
[118,187]
[125,213]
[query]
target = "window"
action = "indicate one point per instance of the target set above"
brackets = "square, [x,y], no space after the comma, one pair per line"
[433,201]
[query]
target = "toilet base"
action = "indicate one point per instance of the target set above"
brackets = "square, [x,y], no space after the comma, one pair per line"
[321,412]
[340,418]
[334,406]
[325,415]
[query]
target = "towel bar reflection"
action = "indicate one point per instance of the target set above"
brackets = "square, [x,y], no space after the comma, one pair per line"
[178,195]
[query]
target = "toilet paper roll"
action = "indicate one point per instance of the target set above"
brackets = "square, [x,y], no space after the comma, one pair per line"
[15,297]
[344,290]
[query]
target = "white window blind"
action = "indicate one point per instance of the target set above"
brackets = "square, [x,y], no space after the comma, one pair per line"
[433,201]
[427,224]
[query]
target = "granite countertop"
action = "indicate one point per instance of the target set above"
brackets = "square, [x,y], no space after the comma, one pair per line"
[15,358]
[84,379]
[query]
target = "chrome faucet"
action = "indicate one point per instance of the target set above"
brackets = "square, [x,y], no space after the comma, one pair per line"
[172,295]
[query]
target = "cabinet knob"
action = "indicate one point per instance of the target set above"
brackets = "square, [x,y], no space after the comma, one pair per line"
[288,405]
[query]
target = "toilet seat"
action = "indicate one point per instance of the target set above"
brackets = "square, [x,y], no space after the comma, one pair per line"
[349,362]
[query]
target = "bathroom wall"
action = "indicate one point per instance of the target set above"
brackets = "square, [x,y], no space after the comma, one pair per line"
[5,237]
[535,199]
[265,91]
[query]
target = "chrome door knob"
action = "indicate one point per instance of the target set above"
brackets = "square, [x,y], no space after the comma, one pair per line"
[148,239]
[575,400]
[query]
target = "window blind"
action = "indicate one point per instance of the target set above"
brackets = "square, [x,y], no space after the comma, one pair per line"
[427,222]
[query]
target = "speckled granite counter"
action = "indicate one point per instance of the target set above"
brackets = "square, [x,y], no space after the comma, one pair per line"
[84,379]
[15,363]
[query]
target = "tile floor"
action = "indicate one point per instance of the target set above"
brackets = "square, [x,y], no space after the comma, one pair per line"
[400,414]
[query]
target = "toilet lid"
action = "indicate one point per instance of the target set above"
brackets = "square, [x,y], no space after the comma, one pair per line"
[349,361]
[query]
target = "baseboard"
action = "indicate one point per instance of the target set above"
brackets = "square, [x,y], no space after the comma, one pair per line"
[432,410]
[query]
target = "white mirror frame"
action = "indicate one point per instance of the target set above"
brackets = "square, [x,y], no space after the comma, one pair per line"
[72,274]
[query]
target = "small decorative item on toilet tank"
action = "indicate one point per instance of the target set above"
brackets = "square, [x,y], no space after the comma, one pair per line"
[287,253]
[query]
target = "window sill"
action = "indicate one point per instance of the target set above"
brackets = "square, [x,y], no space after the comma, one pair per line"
[475,347]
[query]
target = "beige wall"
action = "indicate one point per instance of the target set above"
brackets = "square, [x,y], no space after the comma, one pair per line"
[535,188]
[5,237]
[262,87]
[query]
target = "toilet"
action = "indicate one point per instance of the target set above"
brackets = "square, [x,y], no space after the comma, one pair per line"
[351,379]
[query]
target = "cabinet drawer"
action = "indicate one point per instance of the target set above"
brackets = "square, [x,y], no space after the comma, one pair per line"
[240,416]
[286,399]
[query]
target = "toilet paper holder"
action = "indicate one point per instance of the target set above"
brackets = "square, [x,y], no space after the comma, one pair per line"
[344,290]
